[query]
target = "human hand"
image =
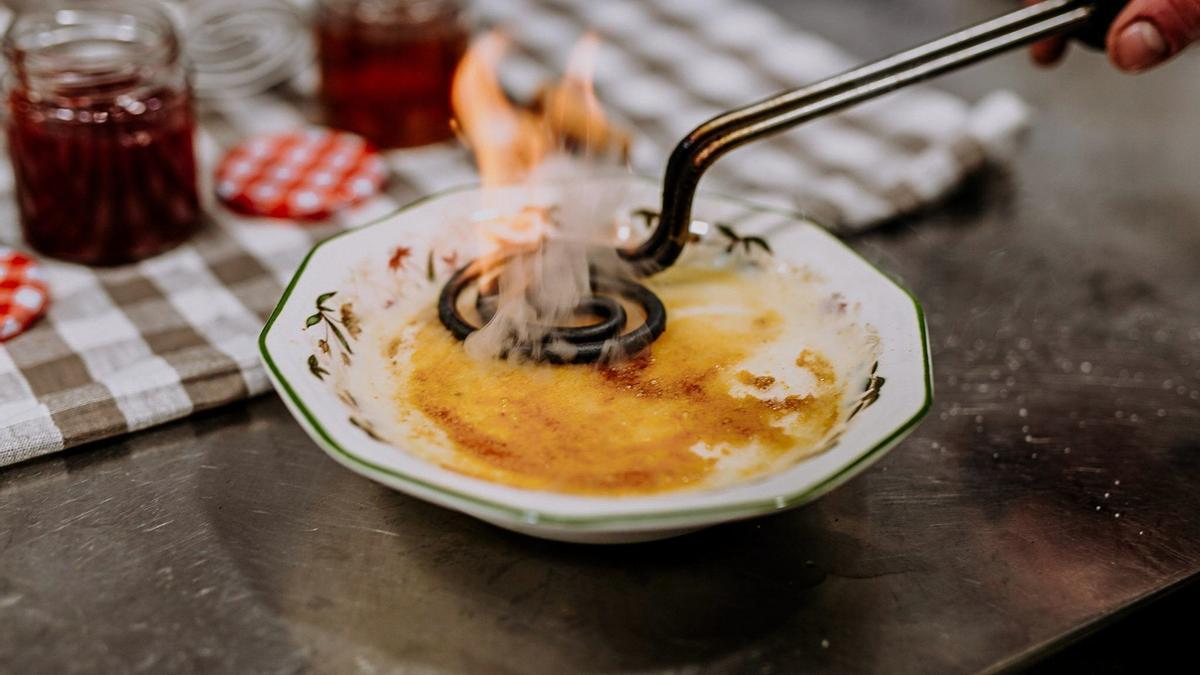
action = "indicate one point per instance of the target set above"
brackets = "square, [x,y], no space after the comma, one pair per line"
[1144,34]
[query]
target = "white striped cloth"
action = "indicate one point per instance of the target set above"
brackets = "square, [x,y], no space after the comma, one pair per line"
[128,348]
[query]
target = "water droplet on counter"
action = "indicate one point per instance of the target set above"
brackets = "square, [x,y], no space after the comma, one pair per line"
[1116,515]
[1023,412]
[1106,495]
[1085,367]
[1117,481]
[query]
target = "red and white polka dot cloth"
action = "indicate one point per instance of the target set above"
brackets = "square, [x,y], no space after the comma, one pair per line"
[302,175]
[23,292]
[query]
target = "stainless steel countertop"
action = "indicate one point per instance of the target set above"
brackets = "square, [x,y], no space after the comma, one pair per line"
[1054,484]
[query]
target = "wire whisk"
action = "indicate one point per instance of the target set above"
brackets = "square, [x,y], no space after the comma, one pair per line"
[244,47]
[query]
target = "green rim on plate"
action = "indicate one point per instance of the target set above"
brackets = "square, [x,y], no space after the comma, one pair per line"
[529,516]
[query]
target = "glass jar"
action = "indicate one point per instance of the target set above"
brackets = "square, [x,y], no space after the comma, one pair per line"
[386,67]
[100,126]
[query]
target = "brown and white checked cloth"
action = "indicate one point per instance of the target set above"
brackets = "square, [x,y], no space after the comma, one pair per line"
[128,348]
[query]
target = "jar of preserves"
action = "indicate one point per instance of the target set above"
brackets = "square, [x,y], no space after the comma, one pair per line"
[386,67]
[100,126]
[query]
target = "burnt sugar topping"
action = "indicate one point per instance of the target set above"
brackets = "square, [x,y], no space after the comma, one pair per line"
[663,420]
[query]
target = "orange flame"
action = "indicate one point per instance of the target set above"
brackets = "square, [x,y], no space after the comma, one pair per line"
[572,111]
[508,142]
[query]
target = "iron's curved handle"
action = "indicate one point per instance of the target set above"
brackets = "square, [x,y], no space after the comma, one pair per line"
[1094,32]
[1087,19]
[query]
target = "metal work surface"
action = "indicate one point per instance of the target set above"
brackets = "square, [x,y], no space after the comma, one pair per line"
[1054,483]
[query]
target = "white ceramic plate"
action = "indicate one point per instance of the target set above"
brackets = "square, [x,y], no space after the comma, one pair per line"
[415,247]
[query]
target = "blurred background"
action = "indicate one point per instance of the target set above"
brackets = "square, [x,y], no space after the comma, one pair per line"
[1051,233]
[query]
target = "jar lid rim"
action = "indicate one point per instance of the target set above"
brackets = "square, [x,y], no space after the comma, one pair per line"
[136,29]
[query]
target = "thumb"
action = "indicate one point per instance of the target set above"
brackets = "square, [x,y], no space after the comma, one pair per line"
[1148,32]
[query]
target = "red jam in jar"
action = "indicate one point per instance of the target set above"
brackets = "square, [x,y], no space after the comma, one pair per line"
[386,67]
[100,127]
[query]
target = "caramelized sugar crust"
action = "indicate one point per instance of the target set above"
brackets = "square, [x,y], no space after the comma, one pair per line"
[632,427]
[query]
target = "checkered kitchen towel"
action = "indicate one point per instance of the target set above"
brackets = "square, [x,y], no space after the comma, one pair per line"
[128,348]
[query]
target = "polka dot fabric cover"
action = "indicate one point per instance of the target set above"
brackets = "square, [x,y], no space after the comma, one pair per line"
[300,175]
[23,292]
